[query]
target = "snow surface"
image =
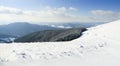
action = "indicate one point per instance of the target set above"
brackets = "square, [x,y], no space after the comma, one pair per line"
[99,46]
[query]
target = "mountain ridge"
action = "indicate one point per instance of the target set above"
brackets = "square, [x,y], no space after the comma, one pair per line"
[22,28]
[53,35]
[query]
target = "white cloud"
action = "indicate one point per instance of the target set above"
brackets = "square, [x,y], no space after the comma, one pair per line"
[73,9]
[10,10]
[61,14]
[105,15]
[46,15]
[101,12]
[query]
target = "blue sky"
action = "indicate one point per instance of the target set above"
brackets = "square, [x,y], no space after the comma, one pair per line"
[79,9]
[83,5]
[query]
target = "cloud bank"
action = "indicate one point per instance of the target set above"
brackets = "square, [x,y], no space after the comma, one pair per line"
[61,14]
[105,15]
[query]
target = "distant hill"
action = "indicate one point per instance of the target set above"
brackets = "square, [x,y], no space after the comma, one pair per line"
[5,36]
[52,35]
[22,28]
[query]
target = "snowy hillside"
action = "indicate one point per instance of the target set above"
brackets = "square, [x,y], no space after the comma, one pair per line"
[99,46]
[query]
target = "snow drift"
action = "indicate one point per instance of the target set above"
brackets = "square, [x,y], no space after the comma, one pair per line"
[99,46]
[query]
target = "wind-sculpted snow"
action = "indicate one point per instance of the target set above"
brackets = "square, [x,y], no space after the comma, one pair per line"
[99,46]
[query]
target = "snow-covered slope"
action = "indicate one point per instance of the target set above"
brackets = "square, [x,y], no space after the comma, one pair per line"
[110,30]
[99,46]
